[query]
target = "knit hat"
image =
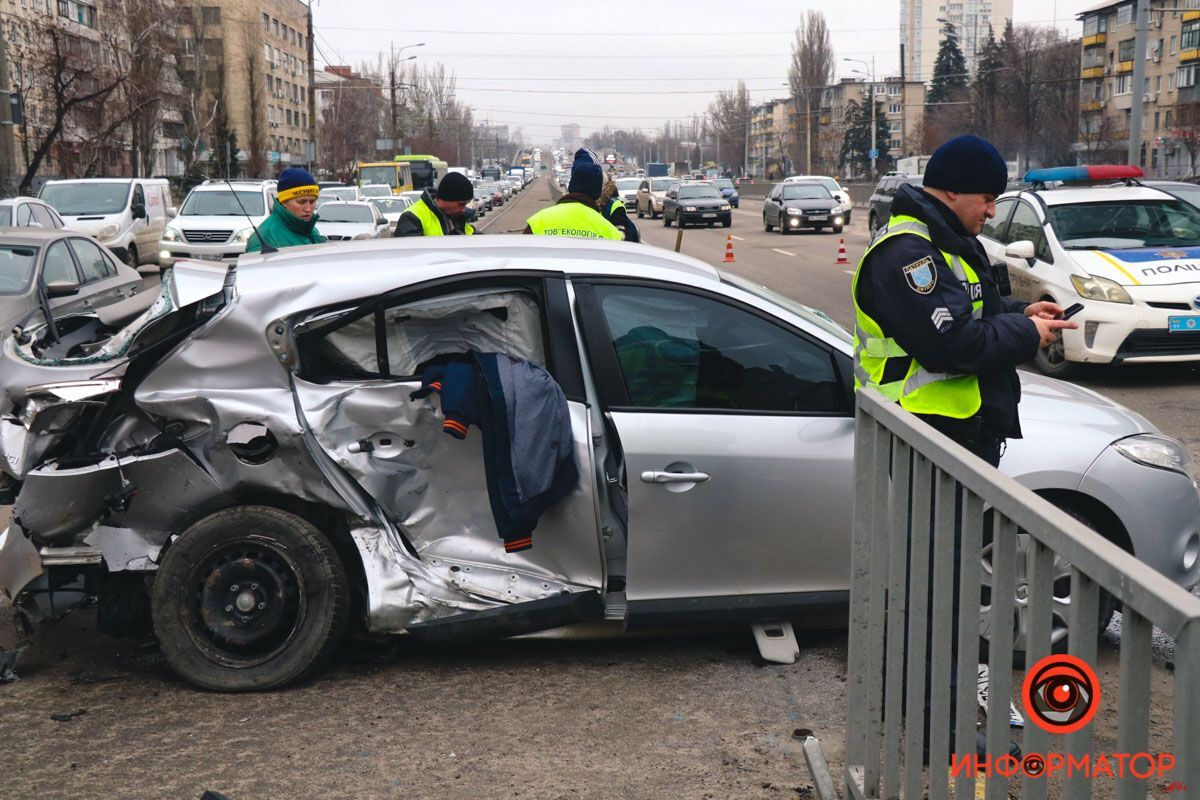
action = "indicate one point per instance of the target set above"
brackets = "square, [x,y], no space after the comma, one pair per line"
[455,187]
[295,182]
[967,164]
[584,156]
[587,179]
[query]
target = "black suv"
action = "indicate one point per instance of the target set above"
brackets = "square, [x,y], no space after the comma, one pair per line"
[698,203]
[881,200]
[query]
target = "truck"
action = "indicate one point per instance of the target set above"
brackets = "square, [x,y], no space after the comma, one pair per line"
[681,169]
[656,169]
[912,165]
[517,172]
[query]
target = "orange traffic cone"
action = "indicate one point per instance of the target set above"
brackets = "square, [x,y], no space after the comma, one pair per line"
[841,259]
[729,259]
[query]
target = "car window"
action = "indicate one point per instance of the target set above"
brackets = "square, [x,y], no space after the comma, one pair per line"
[994,227]
[416,333]
[17,264]
[59,265]
[681,350]
[24,214]
[44,216]
[139,196]
[1025,226]
[92,262]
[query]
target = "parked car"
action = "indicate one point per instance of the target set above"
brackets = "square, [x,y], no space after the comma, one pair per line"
[391,208]
[1127,254]
[28,212]
[278,484]
[370,190]
[880,210]
[728,190]
[651,194]
[216,220]
[795,206]
[127,215]
[340,221]
[844,207]
[696,203]
[73,271]
[627,188]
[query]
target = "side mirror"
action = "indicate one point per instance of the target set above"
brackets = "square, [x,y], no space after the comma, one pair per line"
[172,212]
[138,210]
[62,288]
[1022,249]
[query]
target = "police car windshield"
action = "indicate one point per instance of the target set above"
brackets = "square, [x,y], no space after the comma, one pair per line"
[1125,224]
[806,191]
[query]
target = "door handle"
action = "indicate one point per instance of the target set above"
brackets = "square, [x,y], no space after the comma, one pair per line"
[654,476]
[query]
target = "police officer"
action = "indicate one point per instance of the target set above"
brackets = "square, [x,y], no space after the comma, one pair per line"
[932,330]
[575,213]
[441,214]
[612,208]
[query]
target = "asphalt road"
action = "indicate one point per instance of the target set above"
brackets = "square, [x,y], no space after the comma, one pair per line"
[695,716]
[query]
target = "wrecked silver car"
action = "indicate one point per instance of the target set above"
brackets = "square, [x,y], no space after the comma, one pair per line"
[273,454]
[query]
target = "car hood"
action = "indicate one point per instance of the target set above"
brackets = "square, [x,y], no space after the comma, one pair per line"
[234,222]
[810,204]
[1143,266]
[703,202]
[1050,400]
[91,224]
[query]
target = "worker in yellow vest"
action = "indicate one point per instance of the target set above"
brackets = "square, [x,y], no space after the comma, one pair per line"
[440,214]
[575,213]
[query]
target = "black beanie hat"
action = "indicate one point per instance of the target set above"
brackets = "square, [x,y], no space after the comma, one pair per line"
[967,164]
[455,187]
[587,179]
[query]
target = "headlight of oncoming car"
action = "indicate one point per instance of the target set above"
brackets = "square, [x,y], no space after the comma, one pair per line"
[689,208]
[243,235]
[725,207]
[170,235]
[1096,288]
[794,211]
[108,232]
[1152,450]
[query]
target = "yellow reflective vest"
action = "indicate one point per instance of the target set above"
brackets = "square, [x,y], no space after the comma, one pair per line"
[919,391]
[573,219]
[431,225]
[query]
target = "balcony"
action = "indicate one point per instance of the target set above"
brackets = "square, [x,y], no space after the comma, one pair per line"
[1091,105]
[1094,39]
[1124,66]
[1190,54]
[1188,16]
[1092,72]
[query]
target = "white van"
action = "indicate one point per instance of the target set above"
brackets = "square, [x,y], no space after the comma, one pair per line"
[216,220]
[127,215]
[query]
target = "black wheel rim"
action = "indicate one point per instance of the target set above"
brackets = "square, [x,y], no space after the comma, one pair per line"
[246,602]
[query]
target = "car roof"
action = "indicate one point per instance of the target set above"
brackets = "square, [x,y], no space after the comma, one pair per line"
[35,236]
[11,201]
[217,185]
[1092,194]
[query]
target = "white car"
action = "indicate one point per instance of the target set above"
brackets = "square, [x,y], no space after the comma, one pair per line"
[1130,255]
[339,221]
[340,194]
[29,212]
[627,188]
[216,220]
[391,208]
[370,190]
[835,189]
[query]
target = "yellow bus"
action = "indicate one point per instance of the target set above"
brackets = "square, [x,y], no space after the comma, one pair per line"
[426,170]
[395,174]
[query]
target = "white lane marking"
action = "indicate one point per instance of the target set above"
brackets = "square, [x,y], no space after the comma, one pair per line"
[782,252]
[738,238]
[848,271]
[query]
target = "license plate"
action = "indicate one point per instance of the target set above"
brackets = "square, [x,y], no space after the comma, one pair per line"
[819,217]
[1183,324]
[207,257]
[706,216]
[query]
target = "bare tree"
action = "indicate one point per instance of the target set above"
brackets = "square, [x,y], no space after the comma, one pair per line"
[809,73]
[347,130]
[729,113]
[201,95]
[1187,131]
[255,77]
[150,61]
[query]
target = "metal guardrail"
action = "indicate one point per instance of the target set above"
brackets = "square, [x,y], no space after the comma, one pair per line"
[907,479]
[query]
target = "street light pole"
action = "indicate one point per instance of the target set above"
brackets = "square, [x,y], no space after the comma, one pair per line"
[871,100]
[392,65]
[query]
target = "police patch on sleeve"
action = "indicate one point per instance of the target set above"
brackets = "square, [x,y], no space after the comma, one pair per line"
[921,275]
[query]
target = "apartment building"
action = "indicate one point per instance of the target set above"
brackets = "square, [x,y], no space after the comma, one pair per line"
[260,60]
[923,25]
[901,103]
[1170,88]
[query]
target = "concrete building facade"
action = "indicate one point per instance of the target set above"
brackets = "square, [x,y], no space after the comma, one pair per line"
[1170,89]
[923,24]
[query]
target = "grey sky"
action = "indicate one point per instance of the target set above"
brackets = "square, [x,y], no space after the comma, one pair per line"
[538,64]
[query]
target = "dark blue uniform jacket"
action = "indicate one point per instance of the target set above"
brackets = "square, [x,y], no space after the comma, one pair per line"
[934,324]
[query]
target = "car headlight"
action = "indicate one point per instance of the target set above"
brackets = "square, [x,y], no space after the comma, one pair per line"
[724,207]
[170,235]
[689,208]
[1096,288]
[108,232]
[1158,451]
[243,235]
[794,211]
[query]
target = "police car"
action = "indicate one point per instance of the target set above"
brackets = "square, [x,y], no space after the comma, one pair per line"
[1130,254]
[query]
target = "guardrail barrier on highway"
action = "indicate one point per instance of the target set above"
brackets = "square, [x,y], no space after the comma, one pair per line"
[911,483]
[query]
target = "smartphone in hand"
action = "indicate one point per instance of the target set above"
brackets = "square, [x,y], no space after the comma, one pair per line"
[1071,311]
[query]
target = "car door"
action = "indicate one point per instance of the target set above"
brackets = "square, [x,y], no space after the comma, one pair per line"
[1029,280]
[58,264]
[737,437]
[358,371]
[771,206]
[643,197]
[103,281]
